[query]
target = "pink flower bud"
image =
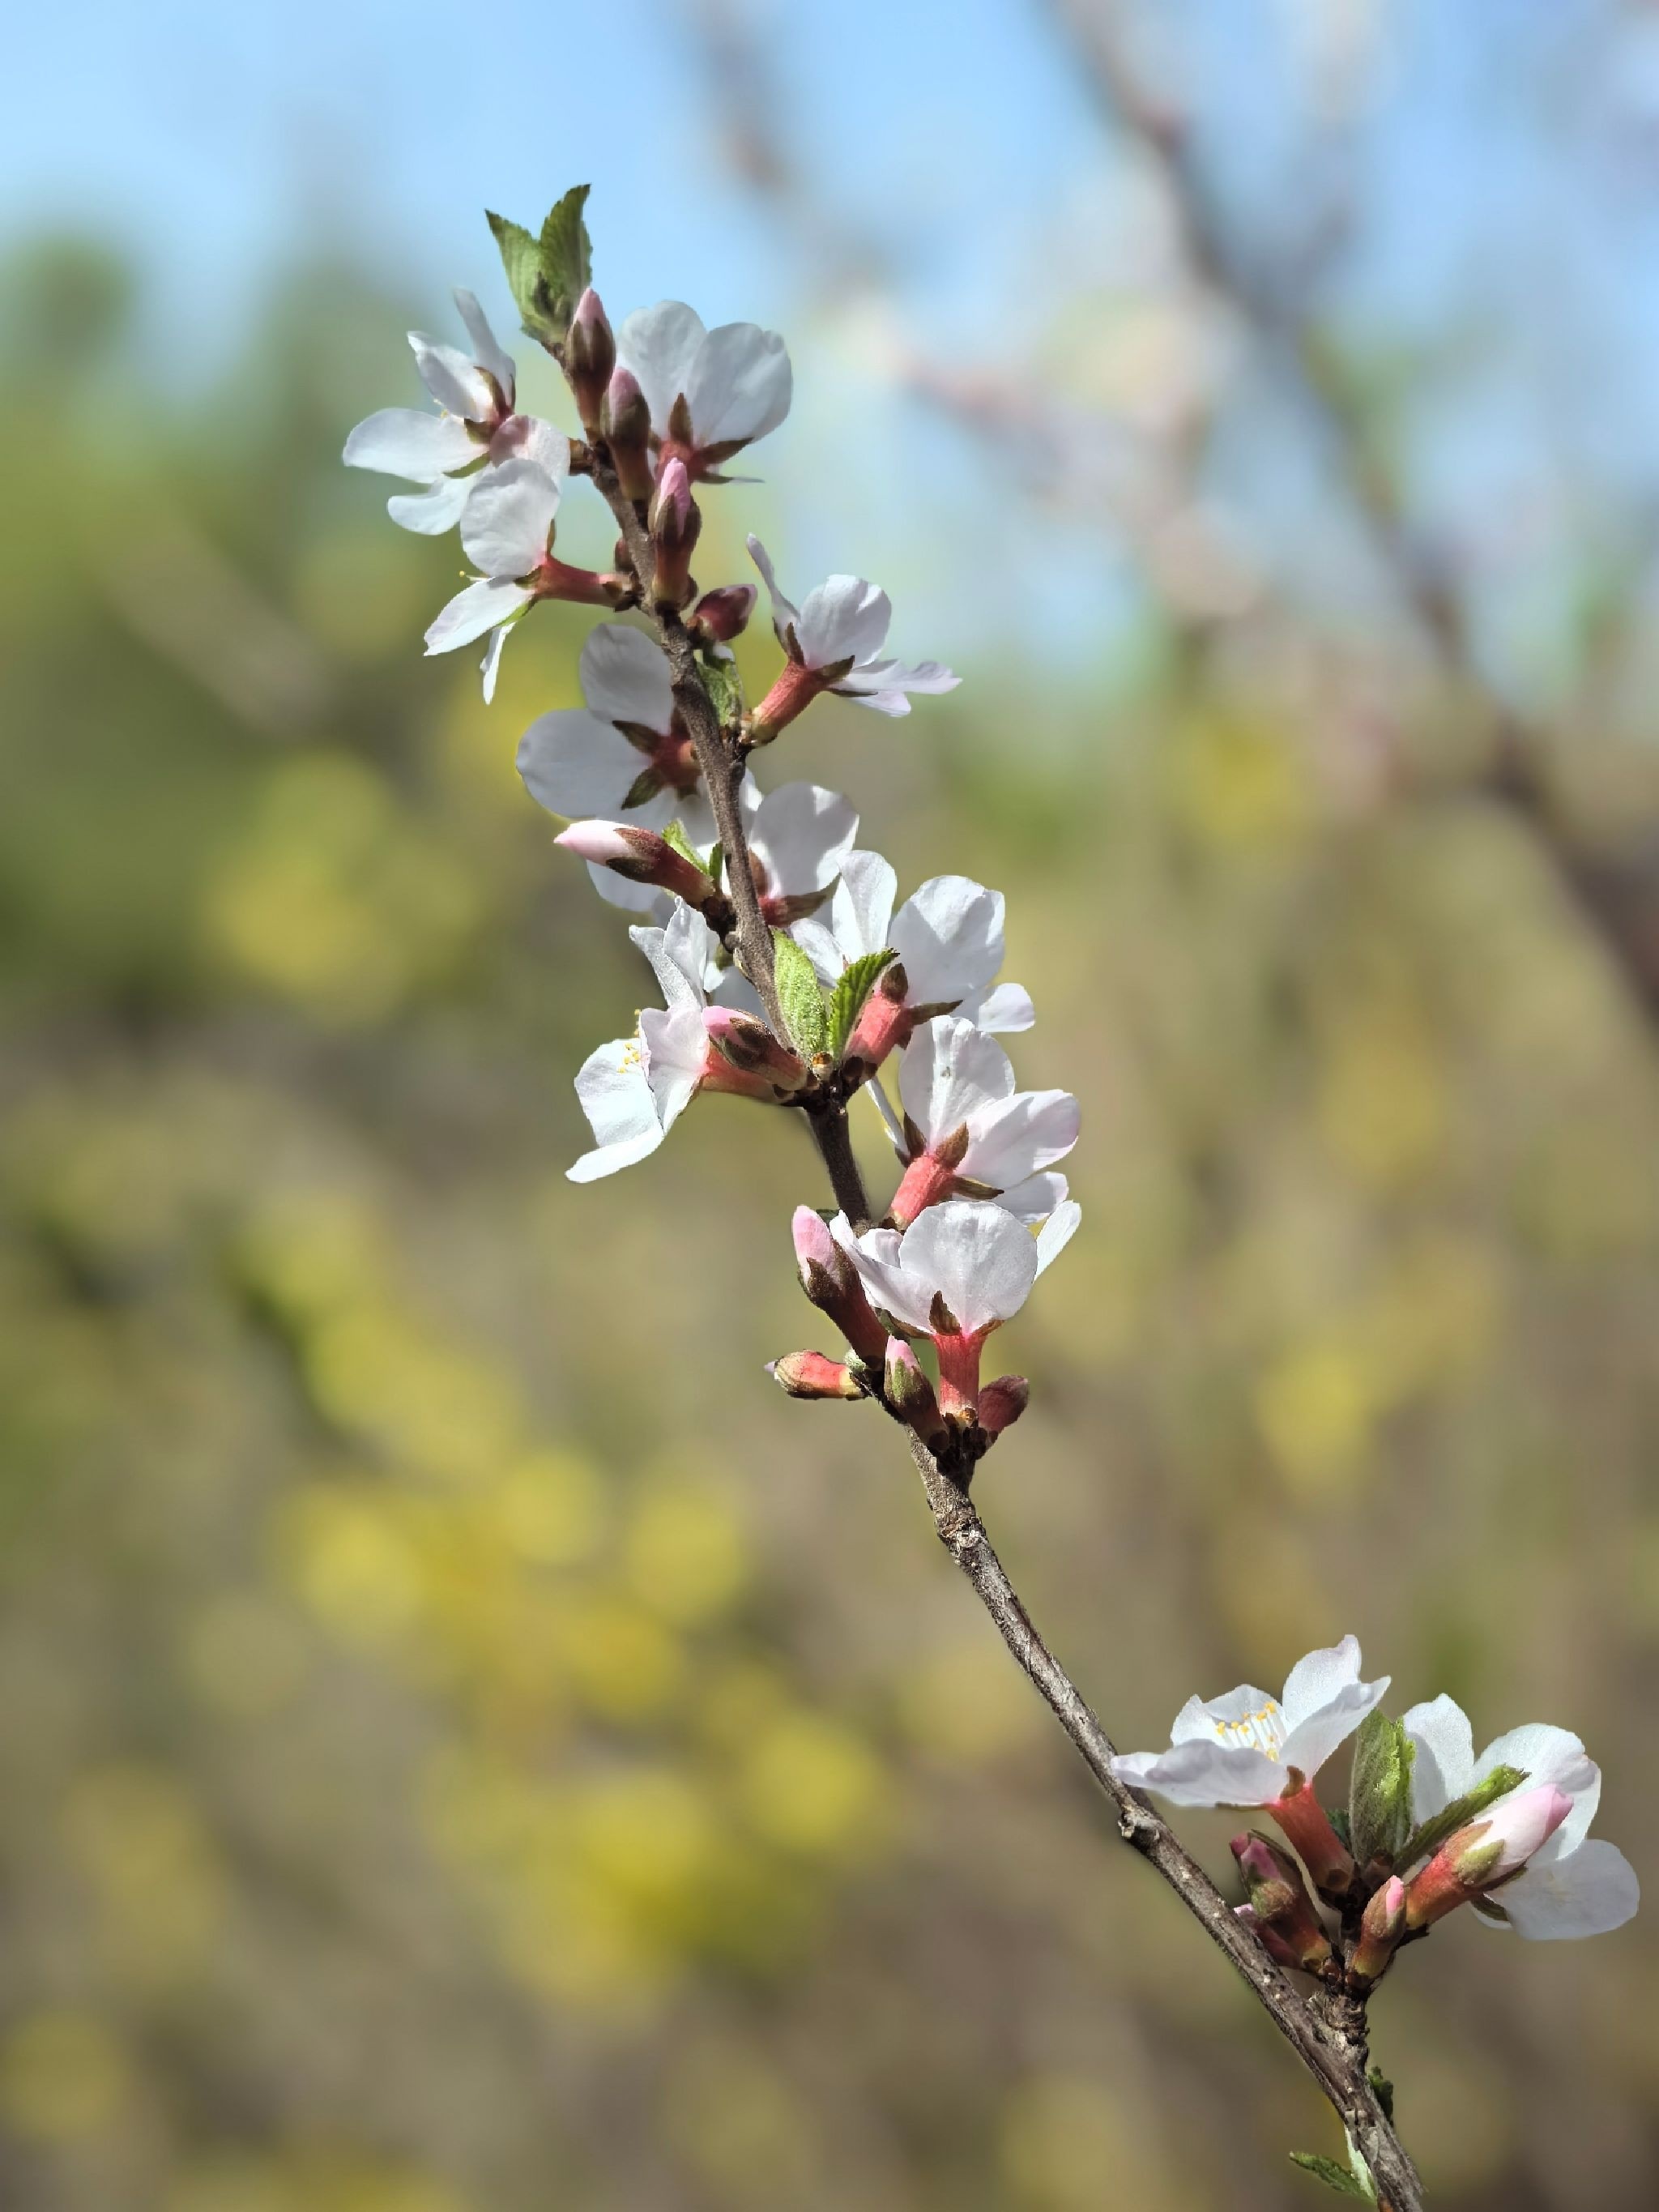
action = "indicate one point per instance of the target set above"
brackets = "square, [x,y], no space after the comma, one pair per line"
[719,615]
[1487,1852]
[675,521]
[639,855]
[810,1375]
[589,356]
[625,423]
[1268,1935]
[831,1282]
[752,1050]
[1380,1930]
[1280,1900]
[1002,1403]
[1322,1850]
[911,1394]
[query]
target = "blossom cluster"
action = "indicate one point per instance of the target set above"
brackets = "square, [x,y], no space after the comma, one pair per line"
[790,975]
[1427,1827]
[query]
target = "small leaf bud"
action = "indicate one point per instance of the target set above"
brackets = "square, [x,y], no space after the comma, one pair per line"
[640,856]
[1380,1930]
[589,356]
[810,1374]
[1002,1403]
[1279,1898]
[625,421]
[721,614]
[675,522]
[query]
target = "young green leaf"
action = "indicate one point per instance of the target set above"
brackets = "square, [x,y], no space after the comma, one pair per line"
[566,256]
[1428,1837]
[858,978]
[1333,2175]
[801,996]
[521,258]
[673,834]
[725,688]
[1380,1789]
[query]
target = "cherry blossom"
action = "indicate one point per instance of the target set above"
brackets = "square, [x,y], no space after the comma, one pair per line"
[834,641]
[504,531]
[971,1134]
[1572,1885]
[633,1089]
[450,452]
[949,939]
[955,1275]
[710,392]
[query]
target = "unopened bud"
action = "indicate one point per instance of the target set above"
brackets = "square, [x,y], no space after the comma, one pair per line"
[719,615]
[1002,1403]
[911,1394]
[831,1282]
[751,1047]
[625,421]
[1485,1853]
[589,356]
[1322,1850]
[639,855]
[676,522]
[1380,1930]
[810,1374]
[1280,1900]
[1268,1935]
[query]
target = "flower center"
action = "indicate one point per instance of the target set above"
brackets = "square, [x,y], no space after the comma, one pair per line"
[1263,1730]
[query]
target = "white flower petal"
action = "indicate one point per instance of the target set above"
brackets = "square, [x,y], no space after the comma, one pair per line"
[471,612]
[1243,1717]
[893,679]
[490,666]
[844,618]
[676,1050]
[981,1260]
[1001,1009]
[784,611]
[1203,1772]
[527,438]
[1444,1765]
[739,386]
[616,1098]
[406,442]
[1324,1703]
[1033,1201]
[625,678]
[1019,1136]
[679,954]
[1555,1756]
[577,764]
[660,346]
[487,351]
[505,527]
[894,704]
[453,380]
[1057,1232]
[877,1256]
[801,834]
[949,1072]
[949,936]
[1589,1892]
[432,512]
[632,898]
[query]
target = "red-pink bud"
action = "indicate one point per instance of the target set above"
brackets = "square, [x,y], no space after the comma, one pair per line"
[1380,1930]
[831,1282]
[721,614]
[1322,1850]
[1280,1899]
[1002,1403]
[911,1394]
[810,1375]
[625,421]
[1268,1935]
[639,855]
[1485,1853]
[751,1047]
[590,355]
[675,521]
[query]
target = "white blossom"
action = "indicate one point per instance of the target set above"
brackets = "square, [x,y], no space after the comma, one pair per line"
[949,939]
[504,531]
[1571,1885]
[972,1134]
[450,452]
[1238,1749]
[835,636]
[735,382]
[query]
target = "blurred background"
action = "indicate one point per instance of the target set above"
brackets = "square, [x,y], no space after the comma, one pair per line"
[467,1744]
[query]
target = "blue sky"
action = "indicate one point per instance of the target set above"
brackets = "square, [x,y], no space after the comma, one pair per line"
[1504,168]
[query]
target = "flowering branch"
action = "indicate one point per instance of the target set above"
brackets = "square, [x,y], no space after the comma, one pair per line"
[789,977]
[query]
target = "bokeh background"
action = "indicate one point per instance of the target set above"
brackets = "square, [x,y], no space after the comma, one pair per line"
[467,1744]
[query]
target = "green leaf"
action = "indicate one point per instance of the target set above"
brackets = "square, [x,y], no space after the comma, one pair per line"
[716,861]
[1339,1820]
[801,996]
[1380,1789]
[722,682]
[1382,2090]
[521,258]
[1461,1810]
[858,978]
[566,255]
[1333,2175]
[674,835]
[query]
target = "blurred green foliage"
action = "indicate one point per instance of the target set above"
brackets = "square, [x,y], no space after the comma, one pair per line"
[468,1744]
